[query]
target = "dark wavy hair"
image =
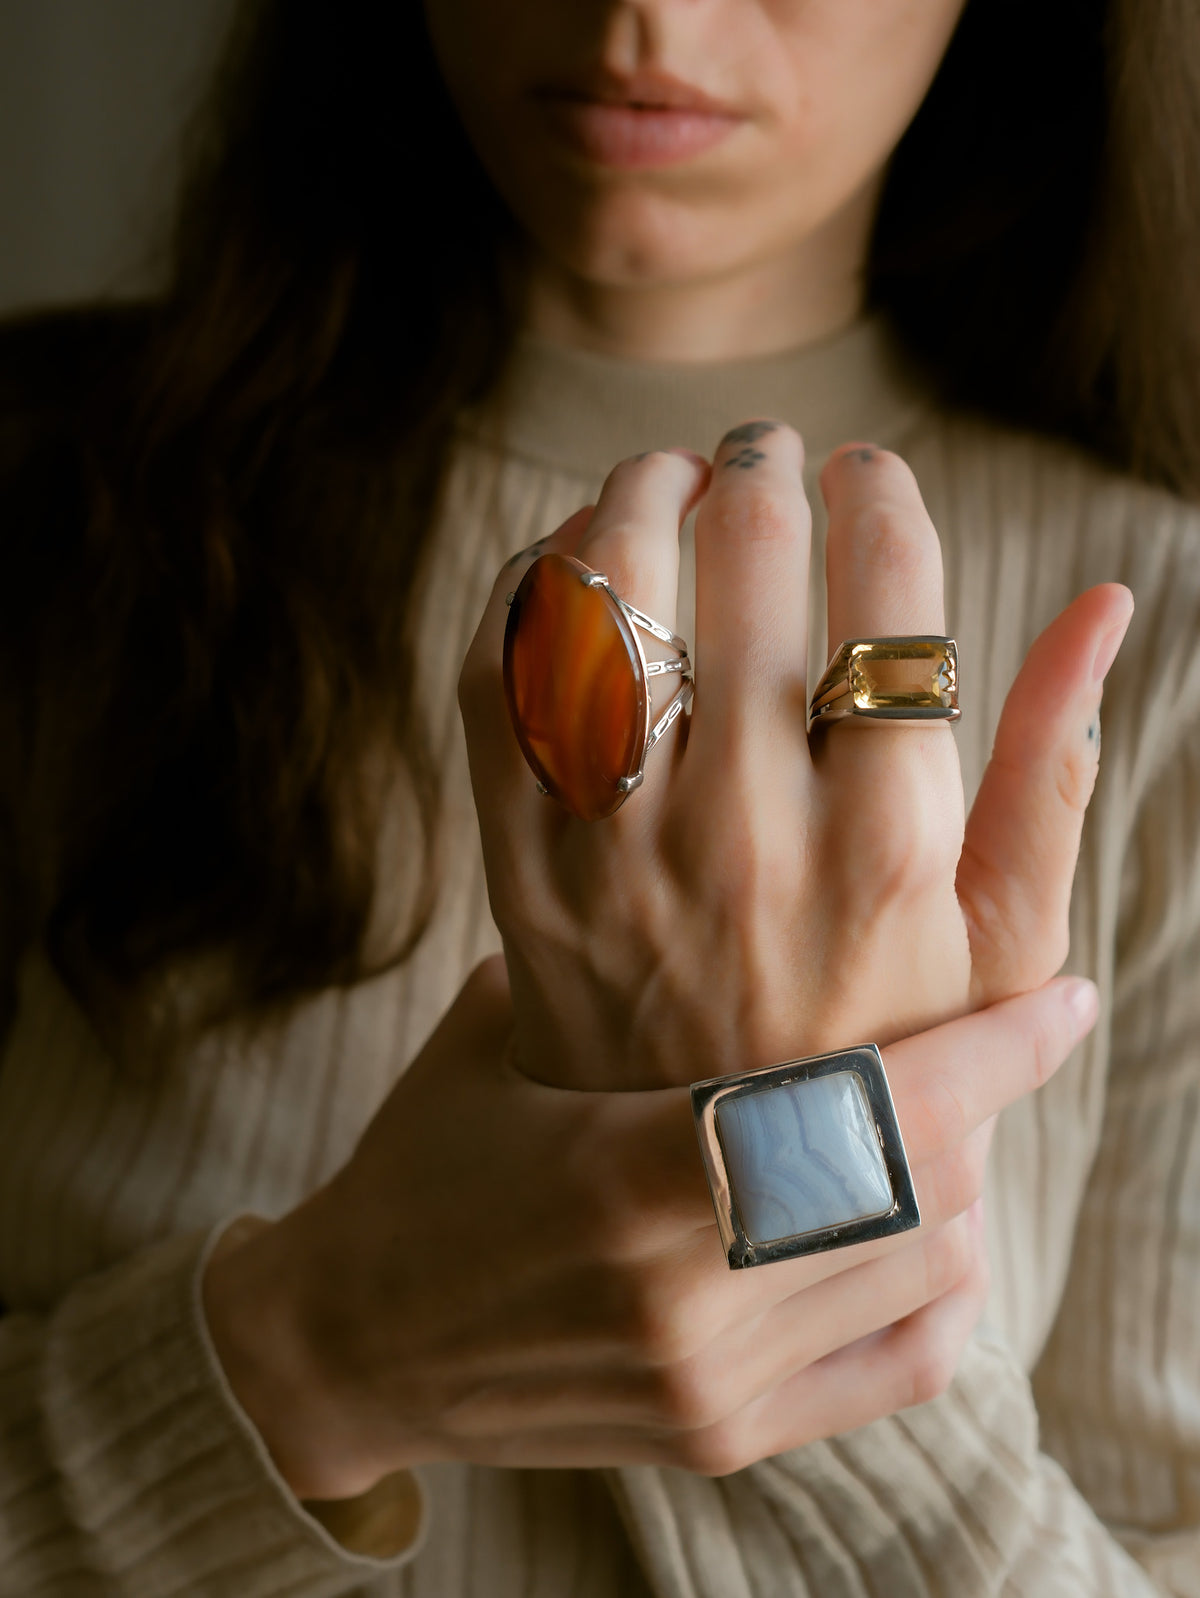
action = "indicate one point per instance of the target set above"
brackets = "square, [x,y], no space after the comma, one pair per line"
[215,505]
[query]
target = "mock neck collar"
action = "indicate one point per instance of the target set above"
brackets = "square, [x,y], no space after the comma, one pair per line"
[580,411]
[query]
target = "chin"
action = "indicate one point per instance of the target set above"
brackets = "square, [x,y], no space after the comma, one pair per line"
[642,241]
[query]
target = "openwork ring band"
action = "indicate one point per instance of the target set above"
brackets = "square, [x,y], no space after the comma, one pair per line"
[581,688]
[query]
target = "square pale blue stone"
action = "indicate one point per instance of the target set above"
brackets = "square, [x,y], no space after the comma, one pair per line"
[803,1156]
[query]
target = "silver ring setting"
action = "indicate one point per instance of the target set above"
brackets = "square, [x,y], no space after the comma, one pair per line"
[581,688]
[804,1156]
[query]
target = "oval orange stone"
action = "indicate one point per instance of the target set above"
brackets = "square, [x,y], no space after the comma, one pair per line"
[575,686]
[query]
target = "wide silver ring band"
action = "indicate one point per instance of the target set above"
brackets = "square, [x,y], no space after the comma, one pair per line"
[804,1156]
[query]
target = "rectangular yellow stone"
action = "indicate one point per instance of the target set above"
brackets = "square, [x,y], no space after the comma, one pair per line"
[914,676]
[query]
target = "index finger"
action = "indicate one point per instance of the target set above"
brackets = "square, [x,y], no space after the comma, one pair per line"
[948,1081]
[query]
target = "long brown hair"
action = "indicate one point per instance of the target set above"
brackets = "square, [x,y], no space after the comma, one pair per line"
[216,505]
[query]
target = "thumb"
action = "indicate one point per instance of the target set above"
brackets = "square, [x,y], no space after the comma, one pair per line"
[1022,836]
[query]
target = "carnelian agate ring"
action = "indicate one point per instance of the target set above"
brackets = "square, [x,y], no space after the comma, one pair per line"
[577,683]
[889,679]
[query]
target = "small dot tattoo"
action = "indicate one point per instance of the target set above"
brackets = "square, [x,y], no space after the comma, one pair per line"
[746,459]
[749,432]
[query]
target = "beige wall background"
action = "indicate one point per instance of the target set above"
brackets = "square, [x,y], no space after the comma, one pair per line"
[93,98]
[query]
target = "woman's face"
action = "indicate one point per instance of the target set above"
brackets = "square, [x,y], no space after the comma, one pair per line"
[667,141]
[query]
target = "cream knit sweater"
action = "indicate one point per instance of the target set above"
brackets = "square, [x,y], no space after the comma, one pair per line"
[1064,1459]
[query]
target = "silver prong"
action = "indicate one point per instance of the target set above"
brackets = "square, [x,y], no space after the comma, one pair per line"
[508,598]
[542,789]
[628,784]
[593,579]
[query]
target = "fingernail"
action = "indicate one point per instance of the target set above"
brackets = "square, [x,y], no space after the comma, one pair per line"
[1106,653]
[1082,998]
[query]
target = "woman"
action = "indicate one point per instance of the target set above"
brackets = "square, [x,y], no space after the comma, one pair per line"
[255,527]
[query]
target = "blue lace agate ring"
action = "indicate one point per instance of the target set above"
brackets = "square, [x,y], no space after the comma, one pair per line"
[804,1156]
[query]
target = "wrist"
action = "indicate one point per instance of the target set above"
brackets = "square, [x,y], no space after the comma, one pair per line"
[253,1304]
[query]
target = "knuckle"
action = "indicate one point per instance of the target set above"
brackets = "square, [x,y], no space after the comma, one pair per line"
[758,516]
[653,460]
[687,1399]
[714,1451]
[652,471]
[889,539]
[931,1366]
[665,1326]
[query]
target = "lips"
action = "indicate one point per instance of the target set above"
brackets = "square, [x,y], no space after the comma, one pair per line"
[651,120]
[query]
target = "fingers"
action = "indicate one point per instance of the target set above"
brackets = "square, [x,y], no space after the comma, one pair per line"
[633,537]
[883,560]
[680,1393]
[840,1310]
[948,1081]
[1022,837]
[911,1362]
[883,566]
[752,549]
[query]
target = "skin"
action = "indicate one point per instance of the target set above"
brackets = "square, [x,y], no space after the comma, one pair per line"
[756,246]
[519,1265]
[634,958]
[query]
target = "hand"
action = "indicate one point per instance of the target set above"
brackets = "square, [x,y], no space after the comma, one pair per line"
[513,1274]
[763,897]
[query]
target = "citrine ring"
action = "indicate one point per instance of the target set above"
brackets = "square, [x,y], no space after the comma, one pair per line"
[580,686]
[889,679]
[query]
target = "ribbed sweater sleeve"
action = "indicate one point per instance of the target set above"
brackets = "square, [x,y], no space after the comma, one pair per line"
[1118,1387]
[950,1498]
[126,1467]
